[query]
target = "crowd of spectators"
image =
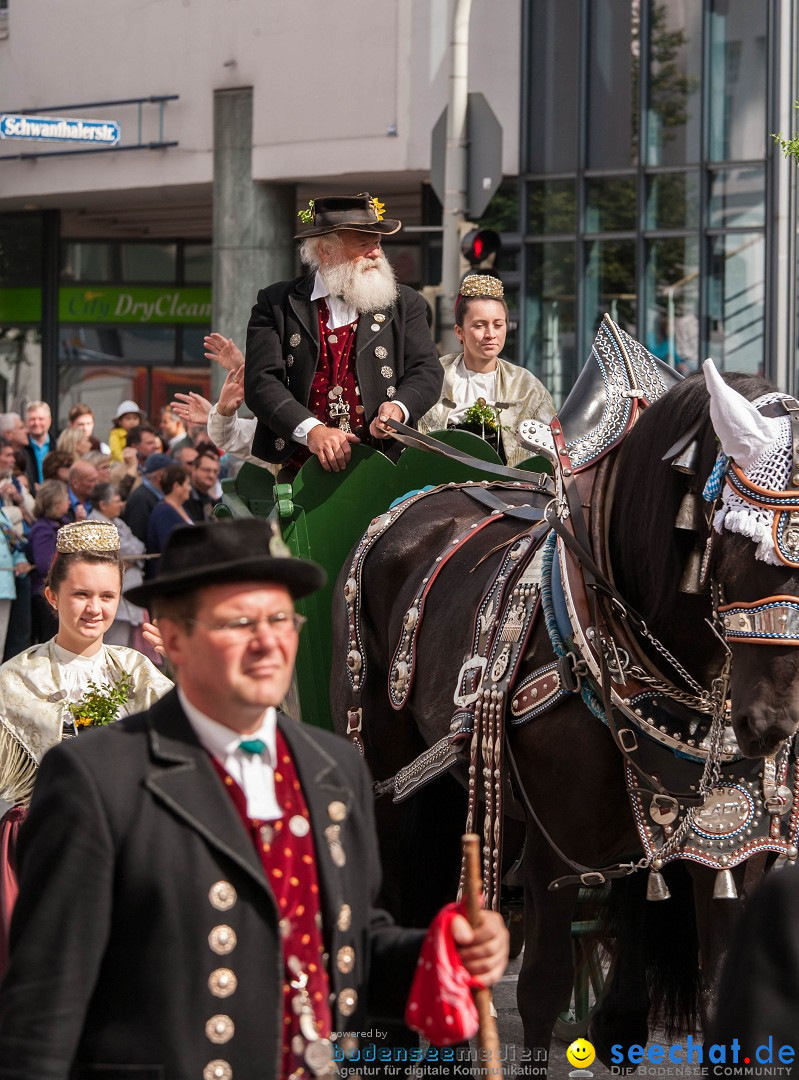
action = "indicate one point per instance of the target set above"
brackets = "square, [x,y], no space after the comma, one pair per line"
[145,479]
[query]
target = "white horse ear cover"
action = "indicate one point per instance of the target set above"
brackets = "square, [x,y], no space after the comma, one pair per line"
[761,447]
[743,432]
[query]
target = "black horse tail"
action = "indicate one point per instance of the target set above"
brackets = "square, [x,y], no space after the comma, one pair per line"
[654,948]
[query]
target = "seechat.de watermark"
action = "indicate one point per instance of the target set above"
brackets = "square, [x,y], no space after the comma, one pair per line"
[722,1059]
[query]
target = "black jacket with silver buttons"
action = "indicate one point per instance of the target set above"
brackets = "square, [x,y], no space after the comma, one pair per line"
[146,940]
[396,361]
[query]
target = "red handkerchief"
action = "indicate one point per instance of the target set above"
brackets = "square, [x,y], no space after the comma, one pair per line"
[440,1005]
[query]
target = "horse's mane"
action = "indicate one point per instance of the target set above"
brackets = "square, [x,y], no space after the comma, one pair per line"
[647,553]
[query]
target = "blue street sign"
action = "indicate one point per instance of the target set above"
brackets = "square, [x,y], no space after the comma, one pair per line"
[59,129]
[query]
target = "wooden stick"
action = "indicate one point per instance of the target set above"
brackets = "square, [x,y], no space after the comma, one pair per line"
[488,1036]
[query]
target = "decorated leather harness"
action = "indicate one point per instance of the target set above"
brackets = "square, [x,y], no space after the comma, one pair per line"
[693,795]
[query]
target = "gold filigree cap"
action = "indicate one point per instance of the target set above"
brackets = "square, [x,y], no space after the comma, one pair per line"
[484,286]
[87,536]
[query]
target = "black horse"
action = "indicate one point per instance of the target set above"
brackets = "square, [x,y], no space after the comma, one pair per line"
[570,768]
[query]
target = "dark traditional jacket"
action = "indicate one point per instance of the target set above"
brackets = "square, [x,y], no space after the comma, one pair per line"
[758,997]
[140,888]
[396,361]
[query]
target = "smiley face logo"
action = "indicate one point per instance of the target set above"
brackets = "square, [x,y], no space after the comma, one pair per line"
[581,1053]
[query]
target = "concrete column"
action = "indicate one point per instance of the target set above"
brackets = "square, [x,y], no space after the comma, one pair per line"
[781,247]
[253,223]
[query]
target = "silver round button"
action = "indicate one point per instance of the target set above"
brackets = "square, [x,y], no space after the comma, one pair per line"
[222,940]
[220,1028]
[222,896]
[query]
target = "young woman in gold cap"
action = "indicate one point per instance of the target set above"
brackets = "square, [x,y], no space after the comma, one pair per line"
[38,687]
[57,689]
[505,393]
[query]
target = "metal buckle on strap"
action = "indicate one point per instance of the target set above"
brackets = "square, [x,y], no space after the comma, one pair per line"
[628,740]
[474,663]
[571,672]
[664,804]
[592,878]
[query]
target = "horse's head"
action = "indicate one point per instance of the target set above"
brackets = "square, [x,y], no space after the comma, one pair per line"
[756,562]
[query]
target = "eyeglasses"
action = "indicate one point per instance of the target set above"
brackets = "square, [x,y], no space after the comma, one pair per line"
[281,623]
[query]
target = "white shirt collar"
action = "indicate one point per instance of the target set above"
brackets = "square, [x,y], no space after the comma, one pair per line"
[221,741]
[341,314]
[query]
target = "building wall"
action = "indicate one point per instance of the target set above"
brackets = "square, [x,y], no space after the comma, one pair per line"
[331,80]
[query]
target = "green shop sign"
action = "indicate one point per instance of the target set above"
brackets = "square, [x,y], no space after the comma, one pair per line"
[116,304]
[20,305]
[112,304]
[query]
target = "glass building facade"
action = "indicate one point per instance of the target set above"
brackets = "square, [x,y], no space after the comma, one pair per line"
[650,182]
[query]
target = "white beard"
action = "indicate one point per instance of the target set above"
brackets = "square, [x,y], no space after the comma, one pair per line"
[365,285]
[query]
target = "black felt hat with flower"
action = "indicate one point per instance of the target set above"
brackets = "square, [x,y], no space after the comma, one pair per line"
[361,213]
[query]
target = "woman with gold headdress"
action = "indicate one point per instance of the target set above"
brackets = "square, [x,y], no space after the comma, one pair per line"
[38,687]
[57,689]
[504,393]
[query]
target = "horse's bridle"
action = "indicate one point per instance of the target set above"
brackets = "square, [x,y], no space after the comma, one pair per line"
[773,620]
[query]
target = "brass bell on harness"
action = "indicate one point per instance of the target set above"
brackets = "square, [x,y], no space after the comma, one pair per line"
[656,887]
[687,460]
[691,580]
[690,516]
[724,886]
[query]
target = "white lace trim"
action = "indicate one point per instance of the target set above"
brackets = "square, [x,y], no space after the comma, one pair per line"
[771,470]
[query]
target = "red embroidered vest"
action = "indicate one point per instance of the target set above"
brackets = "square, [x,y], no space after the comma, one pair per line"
[286,849]
[334,383]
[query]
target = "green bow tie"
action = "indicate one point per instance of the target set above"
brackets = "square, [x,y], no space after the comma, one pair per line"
[252,746]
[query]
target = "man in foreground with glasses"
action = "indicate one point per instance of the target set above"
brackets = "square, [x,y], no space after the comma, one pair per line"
[334,354]
[197,883]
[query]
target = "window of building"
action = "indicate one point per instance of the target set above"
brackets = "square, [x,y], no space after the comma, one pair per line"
[614,49]
[735,301]
[197,263]
[550,330]
[736,76]
[674,99]
[737,197]
[667,198]
[551,207]
[671,293]
[148,262]
[21,268]
[139,333]
[610,284]
[82,261]
[554,68]
[610,204]
[672,200]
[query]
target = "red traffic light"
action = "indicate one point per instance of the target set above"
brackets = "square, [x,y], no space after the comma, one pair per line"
[480,244]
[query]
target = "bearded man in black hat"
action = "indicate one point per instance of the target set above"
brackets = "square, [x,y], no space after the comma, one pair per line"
[331,356]
[197,883]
